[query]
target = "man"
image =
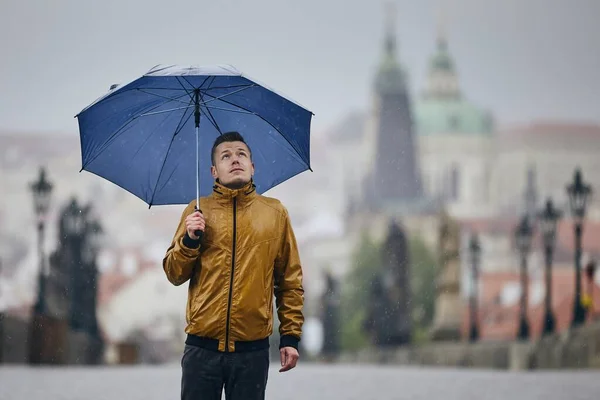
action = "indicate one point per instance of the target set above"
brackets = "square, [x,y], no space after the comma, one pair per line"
[245,255]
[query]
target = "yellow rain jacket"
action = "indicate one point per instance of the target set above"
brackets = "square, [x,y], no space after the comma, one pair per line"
[247,256]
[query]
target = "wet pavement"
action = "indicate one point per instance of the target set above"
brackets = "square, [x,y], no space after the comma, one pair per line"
[307,381]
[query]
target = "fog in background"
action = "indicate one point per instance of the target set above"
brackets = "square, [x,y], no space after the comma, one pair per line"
[526,118]
[522,59]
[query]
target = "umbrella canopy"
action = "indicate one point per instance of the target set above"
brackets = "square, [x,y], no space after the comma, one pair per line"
[153,136]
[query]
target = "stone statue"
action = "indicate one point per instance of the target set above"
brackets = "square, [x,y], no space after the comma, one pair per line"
[330,317]
[447,319]
[389,315]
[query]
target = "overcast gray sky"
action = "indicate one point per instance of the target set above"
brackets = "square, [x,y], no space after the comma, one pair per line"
[523,59]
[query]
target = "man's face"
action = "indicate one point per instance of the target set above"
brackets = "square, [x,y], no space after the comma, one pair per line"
[233,166]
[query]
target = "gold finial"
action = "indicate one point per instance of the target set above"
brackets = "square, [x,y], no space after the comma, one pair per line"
[390,26]
[441,26]
[390,17]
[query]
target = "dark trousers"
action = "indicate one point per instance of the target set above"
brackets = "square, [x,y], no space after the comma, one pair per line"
[205,373]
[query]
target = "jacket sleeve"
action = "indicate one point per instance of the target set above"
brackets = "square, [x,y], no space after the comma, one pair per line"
[289,291]
[182,255]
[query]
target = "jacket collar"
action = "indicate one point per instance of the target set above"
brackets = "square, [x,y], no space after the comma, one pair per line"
[243,194]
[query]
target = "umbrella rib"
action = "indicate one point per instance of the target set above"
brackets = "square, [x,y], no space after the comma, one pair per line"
[210,117]
[163,111]
[157,88]
[108,99]
[191,94]
[165,160]
[180,125]
[183,88]
[119,131]
[149,136]
[230,110]
[150,109]
[214,123]
[179,78]
[215,98]
[172,172]
[200,92]
[188,82]
[212,80]
[161,96]
[274,127]
[187,91]
[231,87]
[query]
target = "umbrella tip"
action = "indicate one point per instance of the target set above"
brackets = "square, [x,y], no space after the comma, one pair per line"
[114,86]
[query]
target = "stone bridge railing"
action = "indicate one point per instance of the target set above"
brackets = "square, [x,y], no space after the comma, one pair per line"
[578,348]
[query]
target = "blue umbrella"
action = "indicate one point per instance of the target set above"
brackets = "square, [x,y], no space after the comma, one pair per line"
[153,136]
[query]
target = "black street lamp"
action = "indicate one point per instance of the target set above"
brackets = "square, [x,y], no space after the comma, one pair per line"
[475,252]
[523,234]
[548,218]
[579,193]
[42,190]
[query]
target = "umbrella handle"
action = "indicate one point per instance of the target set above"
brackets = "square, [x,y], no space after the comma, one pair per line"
[198,233]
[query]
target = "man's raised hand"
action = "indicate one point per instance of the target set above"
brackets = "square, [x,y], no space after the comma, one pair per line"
[193,223]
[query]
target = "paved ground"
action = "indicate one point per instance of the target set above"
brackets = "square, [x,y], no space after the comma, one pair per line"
[305,382]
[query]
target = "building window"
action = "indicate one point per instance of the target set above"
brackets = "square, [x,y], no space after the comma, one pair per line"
[454,183]
[486,184]
[454,123]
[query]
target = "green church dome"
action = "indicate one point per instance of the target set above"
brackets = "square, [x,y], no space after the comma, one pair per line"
[442,116]
[442,109]
[441,60]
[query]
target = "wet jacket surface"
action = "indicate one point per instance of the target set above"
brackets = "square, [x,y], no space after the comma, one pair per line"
[247,257]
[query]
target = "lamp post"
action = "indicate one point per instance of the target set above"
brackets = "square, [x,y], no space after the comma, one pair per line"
[475,252]
[42,190]
[548,218]
[523,234]
[74,227]
[578,192]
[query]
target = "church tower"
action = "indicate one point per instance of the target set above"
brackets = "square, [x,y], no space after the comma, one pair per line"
[455,137]
[394,177]
[442,79]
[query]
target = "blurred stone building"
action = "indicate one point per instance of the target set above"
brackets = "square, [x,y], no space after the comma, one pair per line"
[457,155]
[454,152]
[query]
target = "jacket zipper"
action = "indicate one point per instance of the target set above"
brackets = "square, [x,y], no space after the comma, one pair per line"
[231,277]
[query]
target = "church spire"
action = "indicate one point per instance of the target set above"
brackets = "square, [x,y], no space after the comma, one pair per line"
[390,30]
[393,179]
[442,41]
[442,80]
[390,77]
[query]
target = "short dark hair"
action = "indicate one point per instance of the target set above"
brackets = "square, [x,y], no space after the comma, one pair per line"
[232,136]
